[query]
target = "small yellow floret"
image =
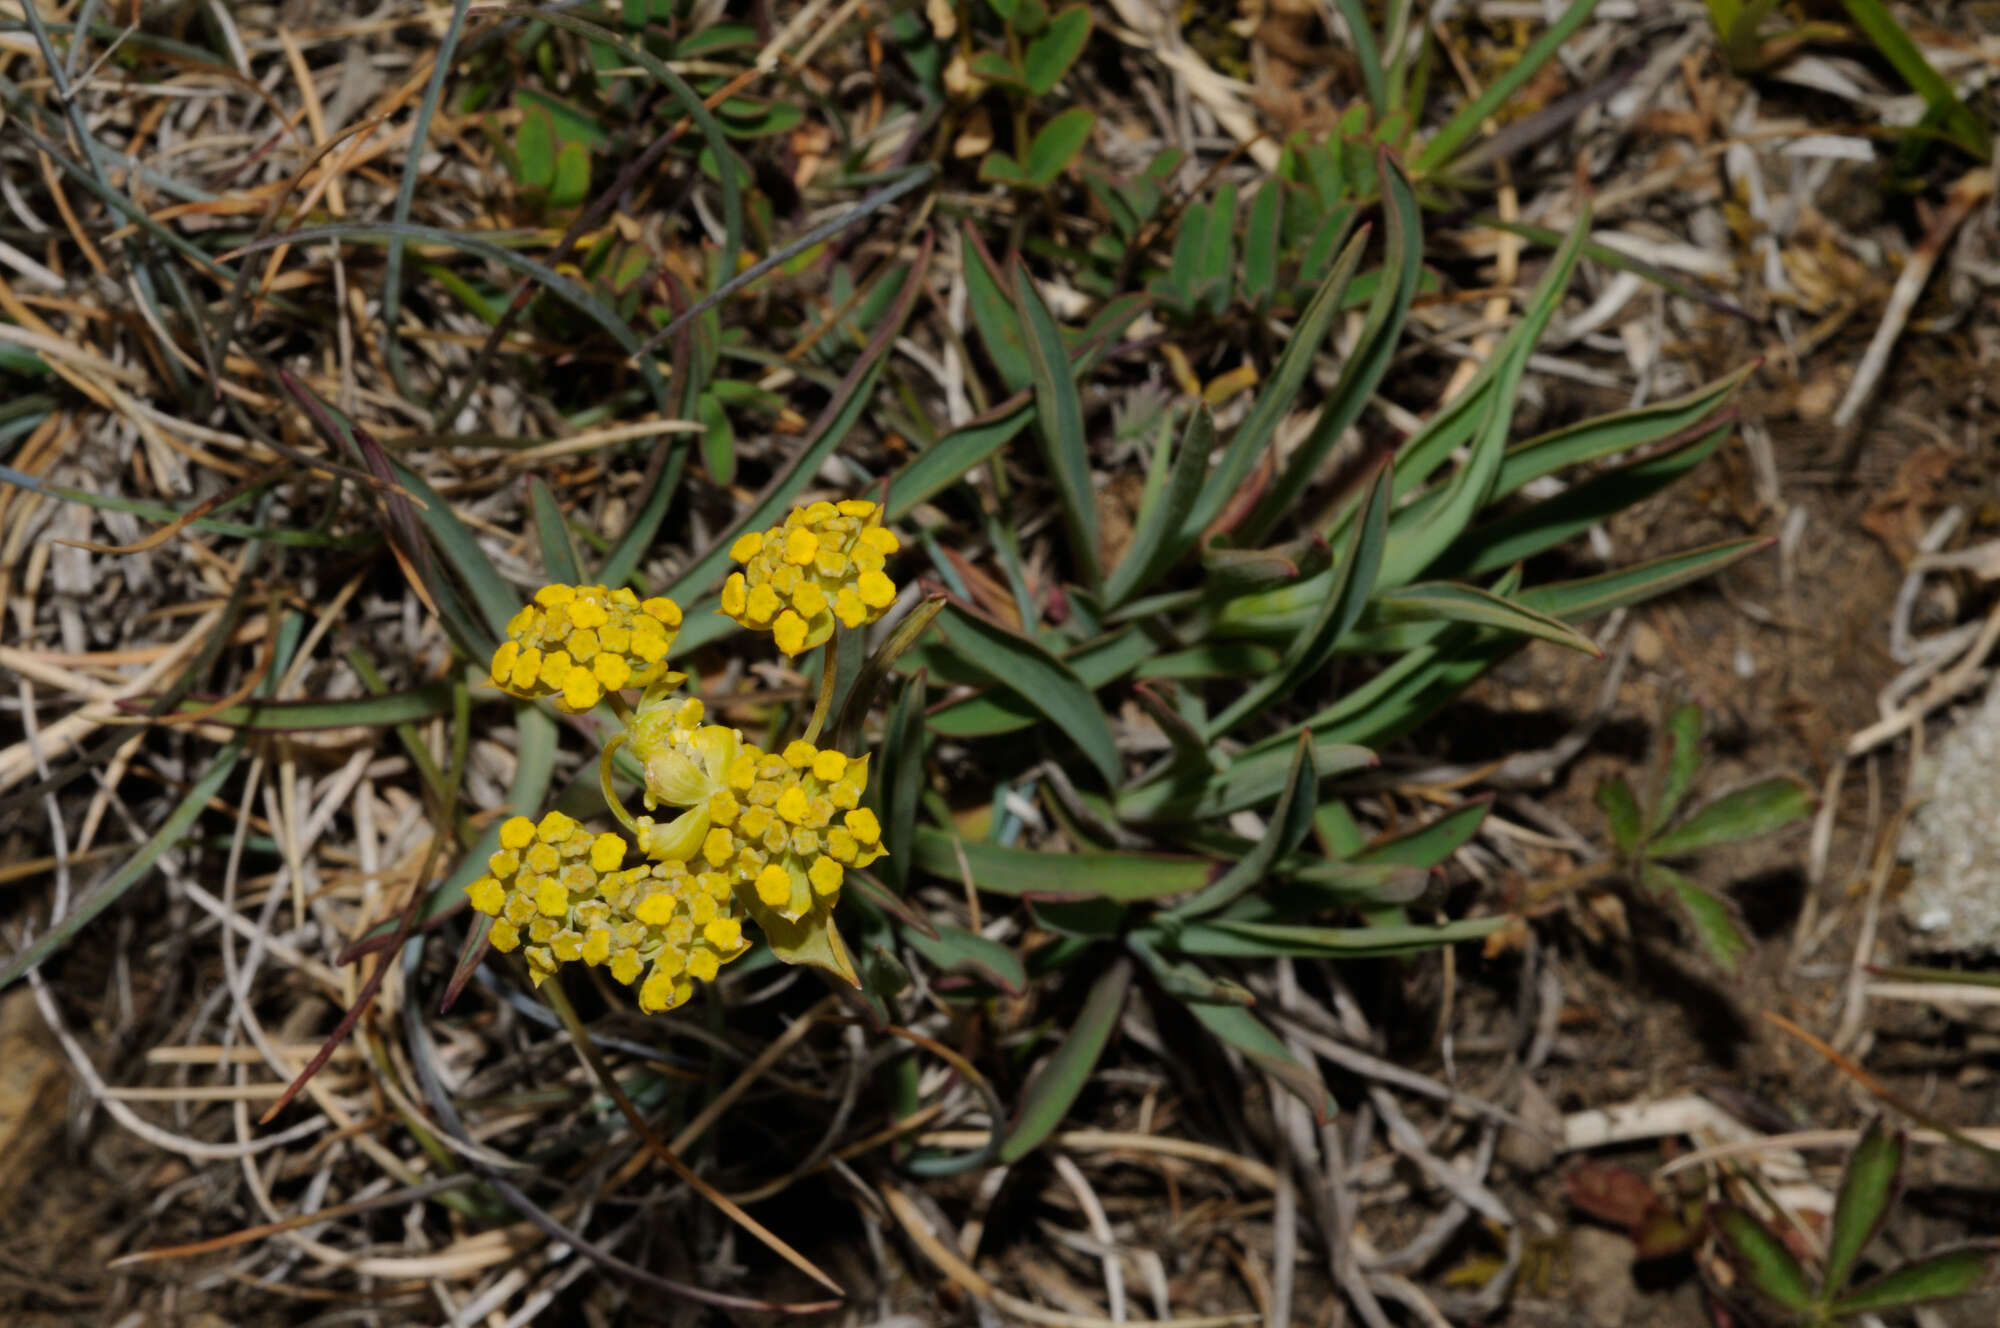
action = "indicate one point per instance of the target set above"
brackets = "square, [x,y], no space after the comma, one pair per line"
[517,832]
[774,886]
[486,895]
[825,875]
[829,766]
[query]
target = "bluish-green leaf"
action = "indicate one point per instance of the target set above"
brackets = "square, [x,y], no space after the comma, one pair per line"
[1059,423]
[1024,872]
[1159,536]
[955,950]
[558,553]
[1260,1046]
[1290,820]
[1056,1085]
[1250,780]
[1448,601]
[1023,666]
[1226,936]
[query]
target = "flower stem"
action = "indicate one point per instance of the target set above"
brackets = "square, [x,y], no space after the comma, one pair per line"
[604,777]
[827,678]
[620,707]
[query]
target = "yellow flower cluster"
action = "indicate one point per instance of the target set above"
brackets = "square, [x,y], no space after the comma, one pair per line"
[567,893]
[756,833]
[824,562]
[784,827]
[578,642]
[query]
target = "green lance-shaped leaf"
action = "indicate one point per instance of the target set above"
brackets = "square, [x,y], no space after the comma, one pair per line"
[994,315]
[1059,423]
[1428,846]
[955,950]
[1054,1088]
[1708,914]
[1236,1026]
[259,716]
[1354,581]
[1961,124]
[558,553]
[1279,394]
[900,784]
[1290,821]
[1588,597]
[1380,336]
[1024,667]
[1025,872]
[1867,1192]
[1097,663]
[1233,938]
[1444,144]
[1678,763]
[1159,536]
[1250,781]
[1524,533]
[1939,1277]
[1762,1259]
[1451,601]
[1756,809]
[1621,812]
[1262,237]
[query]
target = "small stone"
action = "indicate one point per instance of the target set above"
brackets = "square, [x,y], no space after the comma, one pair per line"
[1648,649]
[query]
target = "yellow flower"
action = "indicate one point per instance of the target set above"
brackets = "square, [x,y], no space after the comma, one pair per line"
[661,730]
[576,643]
[825,563]
[567,894]
[783,828]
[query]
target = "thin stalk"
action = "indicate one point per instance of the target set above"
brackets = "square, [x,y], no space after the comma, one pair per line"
[827,678]
[608,781]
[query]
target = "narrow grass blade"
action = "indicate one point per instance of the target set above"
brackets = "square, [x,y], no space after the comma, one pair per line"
[406,192]
[1605,435]
[1544,525]
[1429,845]
[1445,144]
[1881,28]
[166,837]
[1024,667]
[1024,873]
[1060,1080]
[474,243]
[994,314]
[1059,423]
[1097,663]
[1279,394]
[663,480]
[260,716]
